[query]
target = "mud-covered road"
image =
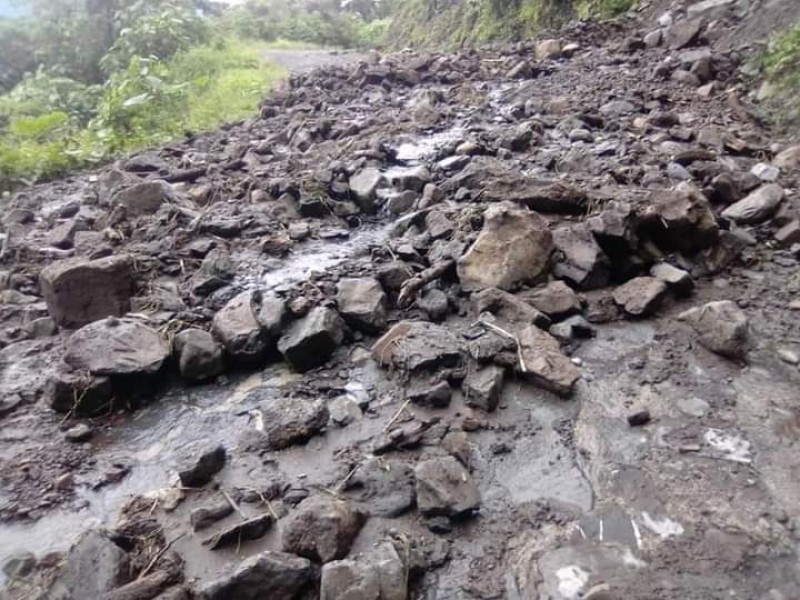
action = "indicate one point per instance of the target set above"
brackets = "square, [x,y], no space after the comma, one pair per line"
[521,322]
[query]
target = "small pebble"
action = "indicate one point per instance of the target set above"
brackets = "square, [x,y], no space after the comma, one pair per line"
[789,356]
[640,418]
[79,433]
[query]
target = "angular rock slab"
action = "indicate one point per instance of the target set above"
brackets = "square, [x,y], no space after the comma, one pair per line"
[641,296]
[381,575]
[386,487]
[722,327]
[756,207]
[445,488]
[311,341]
[199,355]
[287,421]
[680,219]
[579,258]
[557,300]
[273,575]
[80,291]
[482,388]
[513,248]
[116,347]
[544,362]
[362,303]
[322,528]
[94,566]
[413,345]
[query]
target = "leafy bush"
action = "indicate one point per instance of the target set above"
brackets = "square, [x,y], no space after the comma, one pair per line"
[43,92]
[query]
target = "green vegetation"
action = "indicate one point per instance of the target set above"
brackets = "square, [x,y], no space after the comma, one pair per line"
[781,65]
[453,23]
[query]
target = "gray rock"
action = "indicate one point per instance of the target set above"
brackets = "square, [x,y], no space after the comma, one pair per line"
[205,516]
[344,410]
[286,421]
[434,303]
[482,388]
[439,224]
[576,327]
[415,345]
[653,38]
[513,248]
[789,234]
[579,259]
[435,395]
[273,575]
[385,487]
[678,172]
[683,33]
[788,158]
[79,433]
[557,300]
[362,303]
[708,8]
[677,279]
[80,291]
[238,329]
[94,566]
[216,271]
[398,203]
[544,363]
[199,355]
[381,575]
[756,207]
[243,531]
[641,296]
[209,464]
[618,108]
[116,347]
[412,178]
[364,188]
[322,528]
[548,49]
[722,327]
[67,391]
[680,219]
[507,307]
[272,316]
[143,198]
[311,341]
[445,488]
[766,172]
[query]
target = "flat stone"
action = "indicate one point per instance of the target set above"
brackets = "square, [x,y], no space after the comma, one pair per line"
[380,575]
[385,487]
[143,198]
[322,528]
[678,280]
[789,234]
[557,300]
[416,345]
[445,488]
[683,33]
[234,535]
[640,297]
[436,395]
[94,566]
[507,307]
[364,188]
[116,347]
[514,247]
[80,291]
[756,207]
[766,172]
[286,421]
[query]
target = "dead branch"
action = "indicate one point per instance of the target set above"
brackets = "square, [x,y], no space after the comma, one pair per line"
[410,289]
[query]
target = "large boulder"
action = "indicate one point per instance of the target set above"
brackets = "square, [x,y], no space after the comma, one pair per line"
[513,248]
[544,363]
[273,575]
[381,575]
[199,355]
[79,291]
[579,259]
[362,303]
[322,528]
[116,347]
[237,327]
[311,341]
[756,207]
[722,327]
[445,488]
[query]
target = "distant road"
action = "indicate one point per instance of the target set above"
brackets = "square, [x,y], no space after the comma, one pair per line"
[298,61]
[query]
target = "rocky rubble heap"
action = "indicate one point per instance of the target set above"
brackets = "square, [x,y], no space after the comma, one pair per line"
[529,203]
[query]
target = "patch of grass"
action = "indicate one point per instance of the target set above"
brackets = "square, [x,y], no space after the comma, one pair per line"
[781,67]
